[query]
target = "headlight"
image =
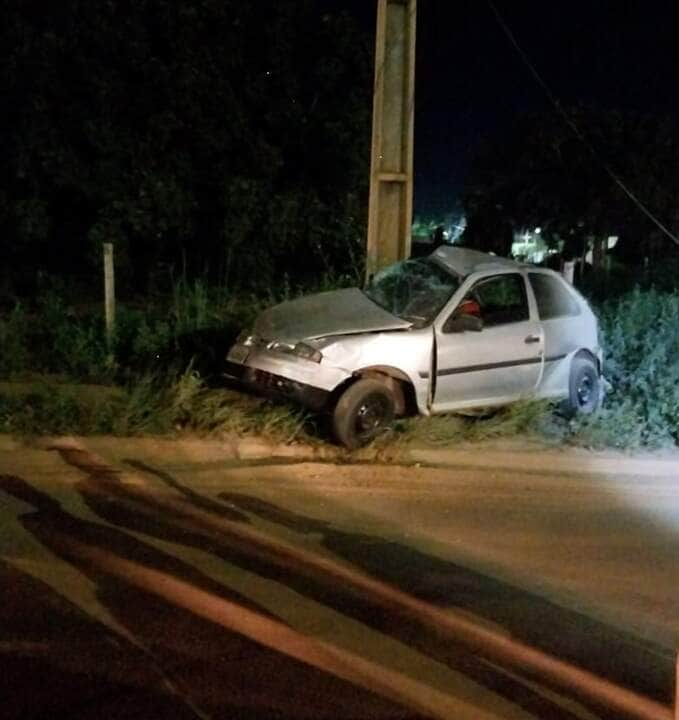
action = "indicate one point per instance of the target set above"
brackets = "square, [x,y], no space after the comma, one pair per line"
[245,338]
[301,349]
[307,352]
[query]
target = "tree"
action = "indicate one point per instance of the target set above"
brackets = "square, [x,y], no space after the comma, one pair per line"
[230,137]
[542,174]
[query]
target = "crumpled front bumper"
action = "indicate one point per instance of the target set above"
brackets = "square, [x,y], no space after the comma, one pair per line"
[275,373]
[272,385]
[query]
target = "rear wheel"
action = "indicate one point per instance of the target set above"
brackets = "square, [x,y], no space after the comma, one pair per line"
[584,389]
[364,410]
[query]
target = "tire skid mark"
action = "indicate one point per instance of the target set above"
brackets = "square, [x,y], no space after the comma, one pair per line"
[81,544]
[379,645]
[276,636]
[489,644]
[115,494]
[31,498]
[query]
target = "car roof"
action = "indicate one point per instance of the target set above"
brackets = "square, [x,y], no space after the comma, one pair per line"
[464,261]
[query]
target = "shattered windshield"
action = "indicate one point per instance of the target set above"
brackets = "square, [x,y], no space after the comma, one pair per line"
[413,290]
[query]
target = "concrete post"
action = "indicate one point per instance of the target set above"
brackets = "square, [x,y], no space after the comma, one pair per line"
[676,688]
[109,294]
[569,271]
[391,173]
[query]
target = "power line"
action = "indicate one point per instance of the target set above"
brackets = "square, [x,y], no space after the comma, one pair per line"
[576,130]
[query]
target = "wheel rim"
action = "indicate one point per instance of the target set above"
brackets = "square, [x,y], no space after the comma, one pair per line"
[584,391]
[371,415]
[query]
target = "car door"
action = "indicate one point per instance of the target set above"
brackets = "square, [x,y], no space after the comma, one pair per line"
[501,362]
[561,319]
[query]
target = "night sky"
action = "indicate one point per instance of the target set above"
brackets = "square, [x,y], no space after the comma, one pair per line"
[471,82]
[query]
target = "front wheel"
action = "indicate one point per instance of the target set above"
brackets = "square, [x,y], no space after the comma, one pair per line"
[364,410]
[584,387]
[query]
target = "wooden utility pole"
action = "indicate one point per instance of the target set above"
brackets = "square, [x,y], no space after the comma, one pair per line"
[391,173]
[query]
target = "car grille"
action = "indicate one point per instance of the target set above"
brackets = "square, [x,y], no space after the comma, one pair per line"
[268,381]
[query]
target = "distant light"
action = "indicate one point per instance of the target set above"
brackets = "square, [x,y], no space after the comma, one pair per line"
[538,230]
[612,241]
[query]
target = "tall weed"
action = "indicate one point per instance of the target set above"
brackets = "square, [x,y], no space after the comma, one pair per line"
[640,336]
[15,355]
[527,418]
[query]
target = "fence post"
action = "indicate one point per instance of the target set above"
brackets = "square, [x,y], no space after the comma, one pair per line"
[109,294]
[676,688]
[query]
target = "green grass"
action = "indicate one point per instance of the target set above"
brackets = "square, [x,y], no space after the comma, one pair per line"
[152,405]
[158,405]
[51,408]
[640,336]
[166,354]
[194,323]
[529,419]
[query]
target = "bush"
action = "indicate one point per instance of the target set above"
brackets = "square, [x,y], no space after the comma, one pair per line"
[51,338]
[158,404]
[52,409]
[195,324]
[640,336]
[166,351]
[65,342]
[14,347]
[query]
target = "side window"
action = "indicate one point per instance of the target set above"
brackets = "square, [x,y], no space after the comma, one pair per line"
[502,299]
[552,298]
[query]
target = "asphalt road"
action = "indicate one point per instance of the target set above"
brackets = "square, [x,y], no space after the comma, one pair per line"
[152,579]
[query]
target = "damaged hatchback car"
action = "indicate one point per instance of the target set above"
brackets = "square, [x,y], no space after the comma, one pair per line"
[455,331]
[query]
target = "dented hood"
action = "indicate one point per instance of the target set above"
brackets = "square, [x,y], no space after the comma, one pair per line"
[338,312]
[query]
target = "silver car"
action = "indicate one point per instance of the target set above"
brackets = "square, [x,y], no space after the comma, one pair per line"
[454,331]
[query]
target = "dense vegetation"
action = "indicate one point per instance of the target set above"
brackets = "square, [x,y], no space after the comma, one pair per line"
[222,147]
[166,359]
[581,175]
[224,139]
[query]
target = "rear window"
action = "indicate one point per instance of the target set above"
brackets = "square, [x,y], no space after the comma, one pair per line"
[552,297]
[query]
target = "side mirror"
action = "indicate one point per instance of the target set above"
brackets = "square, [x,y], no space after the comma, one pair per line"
[463,323]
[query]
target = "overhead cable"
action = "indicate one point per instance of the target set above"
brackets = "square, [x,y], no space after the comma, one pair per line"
[576,130]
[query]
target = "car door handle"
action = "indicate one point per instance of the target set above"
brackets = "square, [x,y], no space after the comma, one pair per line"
[532,339]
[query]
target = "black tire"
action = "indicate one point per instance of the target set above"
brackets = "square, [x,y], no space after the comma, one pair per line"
[364,410]
[584,387]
